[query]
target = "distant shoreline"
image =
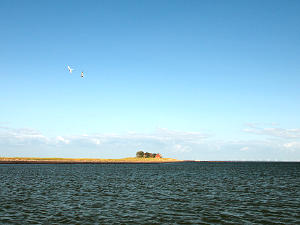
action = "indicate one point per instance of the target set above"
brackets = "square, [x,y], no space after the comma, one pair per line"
[133,160]
[25,160]
[86,162]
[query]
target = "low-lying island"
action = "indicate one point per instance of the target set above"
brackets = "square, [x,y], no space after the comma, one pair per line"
[130,160]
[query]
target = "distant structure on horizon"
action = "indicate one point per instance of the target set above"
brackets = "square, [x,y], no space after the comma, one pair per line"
[158,155]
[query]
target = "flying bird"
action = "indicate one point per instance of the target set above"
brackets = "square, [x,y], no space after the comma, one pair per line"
[82,74]
[70,70]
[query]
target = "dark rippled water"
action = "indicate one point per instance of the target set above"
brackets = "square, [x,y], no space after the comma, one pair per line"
[178,193]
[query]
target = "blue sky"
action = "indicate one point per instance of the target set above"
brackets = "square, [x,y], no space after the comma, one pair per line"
[207,80]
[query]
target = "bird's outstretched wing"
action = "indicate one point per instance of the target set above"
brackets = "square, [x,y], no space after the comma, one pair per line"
[70,69]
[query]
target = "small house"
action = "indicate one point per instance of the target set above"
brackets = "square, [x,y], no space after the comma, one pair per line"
[158,156]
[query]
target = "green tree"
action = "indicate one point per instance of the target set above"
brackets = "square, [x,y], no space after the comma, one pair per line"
[147,155]
[140,154]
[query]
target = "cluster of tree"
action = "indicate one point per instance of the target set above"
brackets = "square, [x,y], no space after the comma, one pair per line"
[141,154]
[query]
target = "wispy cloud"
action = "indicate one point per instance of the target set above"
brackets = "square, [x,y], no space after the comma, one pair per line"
[246,148]
[283,145]
[292,146]
[19,136]
[161,135]
[62,140]
[273,131]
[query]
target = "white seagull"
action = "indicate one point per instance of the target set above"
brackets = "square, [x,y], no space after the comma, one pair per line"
[70,70]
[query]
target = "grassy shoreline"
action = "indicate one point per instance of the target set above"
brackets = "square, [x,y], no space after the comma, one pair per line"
[24,160]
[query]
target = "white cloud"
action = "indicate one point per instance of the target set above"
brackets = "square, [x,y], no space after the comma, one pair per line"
[292,146]
[160,135]
[273,131]
[244,148]
[171,143]
[182,148]
[162,140]
[63,140]
[19,136]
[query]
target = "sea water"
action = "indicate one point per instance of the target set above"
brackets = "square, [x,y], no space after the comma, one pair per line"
[172,193]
